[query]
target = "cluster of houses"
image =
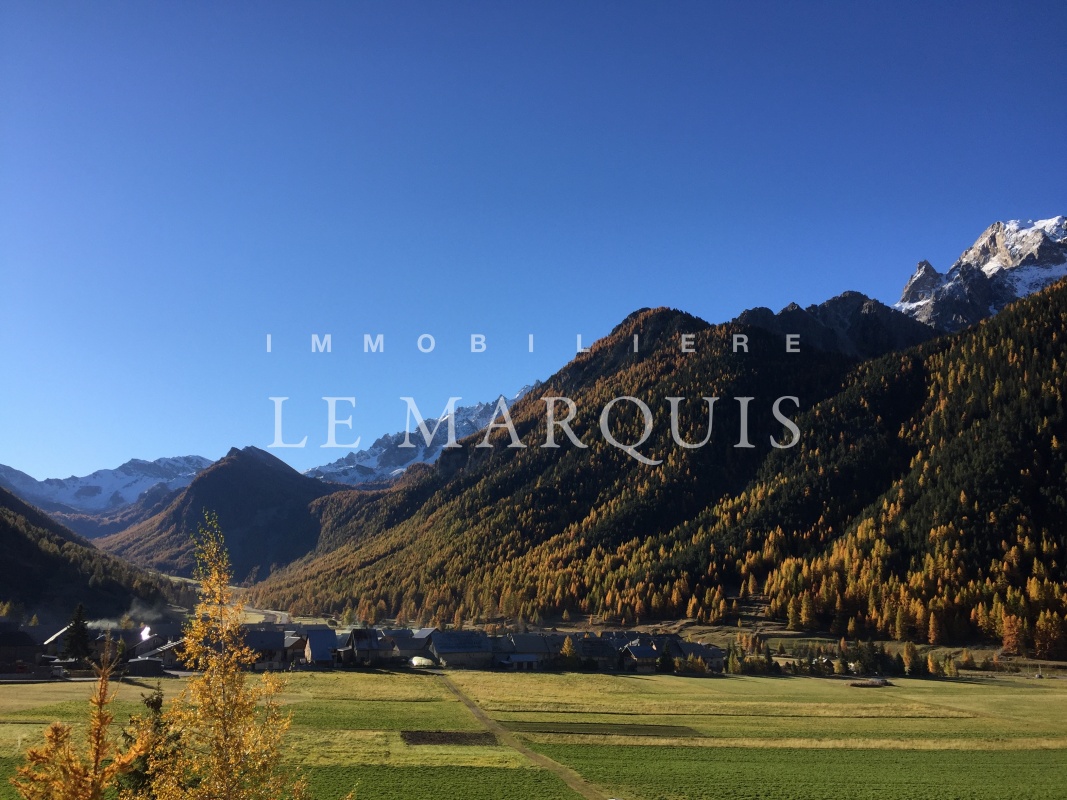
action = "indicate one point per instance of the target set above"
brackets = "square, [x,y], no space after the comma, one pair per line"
[152,650]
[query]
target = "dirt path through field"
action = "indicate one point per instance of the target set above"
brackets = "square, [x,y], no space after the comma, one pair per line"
[565,774]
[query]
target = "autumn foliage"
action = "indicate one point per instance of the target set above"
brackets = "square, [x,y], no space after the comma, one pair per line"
[220,739]
[229,724]
[59,770]
[924,501]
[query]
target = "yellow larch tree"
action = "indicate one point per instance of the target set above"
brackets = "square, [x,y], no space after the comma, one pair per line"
[59,771]
[229,723]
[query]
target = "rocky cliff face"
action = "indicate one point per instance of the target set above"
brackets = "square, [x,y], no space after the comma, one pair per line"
[1010,260]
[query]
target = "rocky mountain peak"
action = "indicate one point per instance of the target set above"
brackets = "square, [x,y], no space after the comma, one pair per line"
[386,459]
[851,323]
[106,490]
[922,284]
[1009,260]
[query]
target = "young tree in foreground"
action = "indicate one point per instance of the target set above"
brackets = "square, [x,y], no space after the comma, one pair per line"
[230,724]
[150,728]
[58,771]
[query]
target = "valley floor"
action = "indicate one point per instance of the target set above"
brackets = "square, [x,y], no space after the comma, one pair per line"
[475,735]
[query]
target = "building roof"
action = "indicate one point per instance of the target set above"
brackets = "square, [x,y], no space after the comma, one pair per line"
[166,648]
[531,643]
[321,642]
[363,639]
[461,642]
[641,652]
[265,640]
[16,639]
[592,647]
[621,638]
[55,637]
[707,652]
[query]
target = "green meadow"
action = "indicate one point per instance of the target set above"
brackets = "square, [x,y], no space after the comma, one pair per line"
[648,737]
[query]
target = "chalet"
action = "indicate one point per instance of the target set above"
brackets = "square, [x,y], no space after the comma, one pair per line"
[123,642]
[38,633]
[404,644]
[319,647]
[148,644]
[167,654]
[55,643]
[462,649]
[523,652]
[361,647]
[597,653]
[711,655]
[619,639]
[555,642]
[640,658]
[269,647]
[294,646]
[18,651]
[155,636]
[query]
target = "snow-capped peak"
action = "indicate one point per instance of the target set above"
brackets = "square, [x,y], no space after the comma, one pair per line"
[1009,260]
[386,459]
[105,489]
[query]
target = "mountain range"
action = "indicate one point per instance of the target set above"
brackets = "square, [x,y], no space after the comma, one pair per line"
[387,458]
[113,500]
[851,323]
[1009,260]
[920,497]
[106,490]
[924,499]
[263,504]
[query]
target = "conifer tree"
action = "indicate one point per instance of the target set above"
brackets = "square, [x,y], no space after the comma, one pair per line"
[58,771]
[807,611]
[967,660]
[1012,634]
[665,662]
[911,658]
[569,653]
[733,663]
[76,644]
[230,725]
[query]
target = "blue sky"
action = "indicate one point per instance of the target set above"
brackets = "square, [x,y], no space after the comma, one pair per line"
[177,181]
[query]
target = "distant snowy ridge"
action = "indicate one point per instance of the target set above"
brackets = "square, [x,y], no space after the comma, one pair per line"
[386,460]
[1009,260]
[105,489]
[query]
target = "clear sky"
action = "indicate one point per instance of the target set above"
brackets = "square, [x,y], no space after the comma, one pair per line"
[177,181]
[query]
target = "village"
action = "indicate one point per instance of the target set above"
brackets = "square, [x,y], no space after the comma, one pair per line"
[154,651]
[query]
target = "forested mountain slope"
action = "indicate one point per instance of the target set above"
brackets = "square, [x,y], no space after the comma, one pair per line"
[48,570]
[926,499]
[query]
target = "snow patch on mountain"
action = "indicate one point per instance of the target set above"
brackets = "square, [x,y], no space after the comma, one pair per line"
[105,489]
[1009,260]
[386,459]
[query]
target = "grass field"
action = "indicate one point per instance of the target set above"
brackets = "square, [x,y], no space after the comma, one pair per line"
[642,737]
